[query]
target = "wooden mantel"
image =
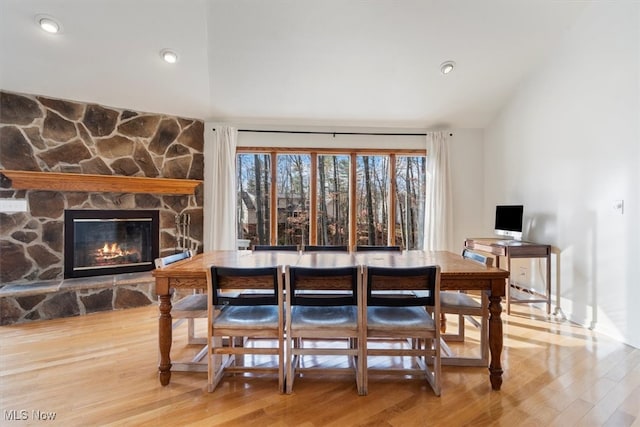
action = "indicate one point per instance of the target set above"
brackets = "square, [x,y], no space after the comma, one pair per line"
[54,181]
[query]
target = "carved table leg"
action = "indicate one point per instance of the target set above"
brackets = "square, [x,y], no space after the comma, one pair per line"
[165,337]
[495,342]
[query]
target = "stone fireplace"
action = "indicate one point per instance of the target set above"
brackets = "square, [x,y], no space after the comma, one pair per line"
[99,242]
[41,134]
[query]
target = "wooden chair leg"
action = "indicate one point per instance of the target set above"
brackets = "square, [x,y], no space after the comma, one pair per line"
[289,374]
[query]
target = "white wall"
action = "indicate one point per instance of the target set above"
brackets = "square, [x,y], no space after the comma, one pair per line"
[567,146]
[466,162]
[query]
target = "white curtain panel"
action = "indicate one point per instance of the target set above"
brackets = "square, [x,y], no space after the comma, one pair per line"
[438,221]
[220,175]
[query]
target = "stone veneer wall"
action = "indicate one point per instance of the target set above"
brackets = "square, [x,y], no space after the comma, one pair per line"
[44,134]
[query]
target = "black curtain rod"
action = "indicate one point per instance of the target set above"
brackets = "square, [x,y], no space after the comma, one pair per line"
[330,133]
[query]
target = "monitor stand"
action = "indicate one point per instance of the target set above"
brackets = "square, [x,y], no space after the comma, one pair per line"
[508,235]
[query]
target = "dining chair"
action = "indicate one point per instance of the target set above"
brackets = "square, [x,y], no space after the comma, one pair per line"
[326,248]
[275,247]
[254,313]
[377,248]
[323,304]
[465,306]
[403,304]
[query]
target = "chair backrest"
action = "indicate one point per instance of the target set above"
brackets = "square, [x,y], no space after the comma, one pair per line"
[402,286]
[316,286]
[372,248]
[482,259]
[326,248]
[266,281]
[170,259]
[275,247]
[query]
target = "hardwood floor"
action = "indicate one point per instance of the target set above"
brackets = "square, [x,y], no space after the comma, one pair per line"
[101,369]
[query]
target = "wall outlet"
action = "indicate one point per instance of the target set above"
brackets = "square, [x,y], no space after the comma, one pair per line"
[13,205]
[523,275]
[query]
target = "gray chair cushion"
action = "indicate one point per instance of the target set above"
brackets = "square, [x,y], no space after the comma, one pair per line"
[194,302]
[253,317]
[457,300]
[304,317]
[394,318]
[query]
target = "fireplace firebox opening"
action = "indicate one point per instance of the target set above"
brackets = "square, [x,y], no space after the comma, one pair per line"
[100,242]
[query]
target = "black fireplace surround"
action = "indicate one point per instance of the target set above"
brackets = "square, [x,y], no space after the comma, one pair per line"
[100,242]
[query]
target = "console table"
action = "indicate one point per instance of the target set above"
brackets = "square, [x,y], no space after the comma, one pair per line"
[517,249]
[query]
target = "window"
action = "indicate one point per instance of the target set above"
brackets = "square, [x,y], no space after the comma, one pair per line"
[410,200]
[292,182]
[254,195]
[331,197]
[333,200]
[372,200]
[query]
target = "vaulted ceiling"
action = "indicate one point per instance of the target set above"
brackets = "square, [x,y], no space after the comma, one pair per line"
[285,62]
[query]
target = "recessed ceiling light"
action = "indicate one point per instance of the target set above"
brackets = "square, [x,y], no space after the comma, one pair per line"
[169,56]
[49,24]
[447,67]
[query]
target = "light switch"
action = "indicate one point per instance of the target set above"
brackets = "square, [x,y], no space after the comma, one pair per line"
[618,206]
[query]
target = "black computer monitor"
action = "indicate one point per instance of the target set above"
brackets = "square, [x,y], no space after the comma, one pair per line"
[509,221]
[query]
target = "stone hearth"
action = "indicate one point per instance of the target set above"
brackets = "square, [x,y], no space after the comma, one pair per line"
[52,299]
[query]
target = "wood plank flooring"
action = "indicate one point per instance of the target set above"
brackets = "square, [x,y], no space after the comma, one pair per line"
[101,369]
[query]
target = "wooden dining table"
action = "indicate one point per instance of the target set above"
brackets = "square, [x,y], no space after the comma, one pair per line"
[457,273]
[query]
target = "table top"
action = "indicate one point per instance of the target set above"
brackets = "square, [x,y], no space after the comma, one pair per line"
[502,242]
[452,265]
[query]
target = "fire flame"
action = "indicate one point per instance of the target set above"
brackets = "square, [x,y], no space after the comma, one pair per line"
[111,250]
